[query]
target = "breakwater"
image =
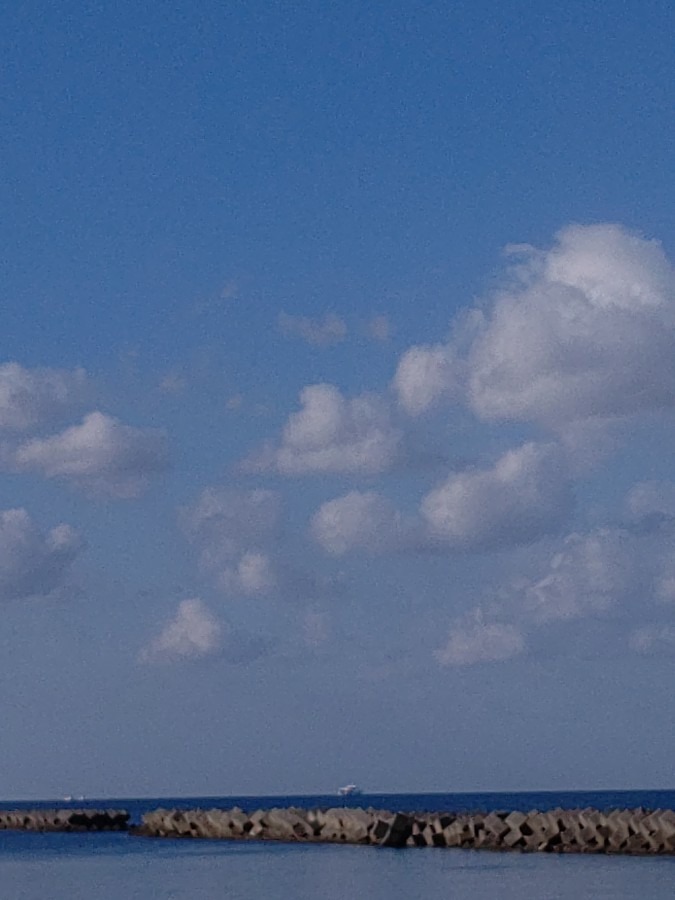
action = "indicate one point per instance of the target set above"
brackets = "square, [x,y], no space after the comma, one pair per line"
[620,831]
[64,820]
[636,831]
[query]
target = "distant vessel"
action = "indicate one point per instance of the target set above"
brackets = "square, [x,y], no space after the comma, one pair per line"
[349,790]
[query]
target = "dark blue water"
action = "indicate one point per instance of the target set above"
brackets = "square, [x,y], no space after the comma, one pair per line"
[111,866]
[460,802]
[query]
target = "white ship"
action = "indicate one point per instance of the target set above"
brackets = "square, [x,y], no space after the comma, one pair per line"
[349,790]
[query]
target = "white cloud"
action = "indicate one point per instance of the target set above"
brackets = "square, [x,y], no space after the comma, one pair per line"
[319,332]
[192,633]
[33,564]
[426,375]
[585,332]
[357,521]
[652,498]
[252,575]
[332,433]
[195,632]
[231,530]
[101,456]
[589,333]
[591,574]
[524,496]
[29,397]
[473,640]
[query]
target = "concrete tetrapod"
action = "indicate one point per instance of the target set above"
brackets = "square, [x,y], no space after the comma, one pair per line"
[636,831]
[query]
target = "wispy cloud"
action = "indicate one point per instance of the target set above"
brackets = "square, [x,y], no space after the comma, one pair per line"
[475,638]
[319,332]
[379,328]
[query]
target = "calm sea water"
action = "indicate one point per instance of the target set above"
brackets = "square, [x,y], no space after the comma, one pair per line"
[113,866]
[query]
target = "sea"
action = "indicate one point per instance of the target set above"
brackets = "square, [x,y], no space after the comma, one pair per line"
[111,866]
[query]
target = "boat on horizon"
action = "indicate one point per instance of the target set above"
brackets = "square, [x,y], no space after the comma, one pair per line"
[349,790]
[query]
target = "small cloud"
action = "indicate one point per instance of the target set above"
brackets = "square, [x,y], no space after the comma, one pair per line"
[590,574]
[31,397]
[193,632]
[101,456]
[230,290]
[319,332]
[332,433]
[34,564]
[474,640]
[172,384]
[654,639]
[227,294]
[425,375]
[234,402]
[252,574]
[652,498]
[231,529]
[524,496]
[315,628]
[379,329]
[357,521]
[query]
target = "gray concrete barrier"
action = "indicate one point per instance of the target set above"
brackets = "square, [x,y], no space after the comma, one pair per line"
[635,831]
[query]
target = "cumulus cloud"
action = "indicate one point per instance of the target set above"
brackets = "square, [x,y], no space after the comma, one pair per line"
[319,332]
[357,521]
[592,573]
[231,529]
[586,331]
[101,456]
[332,433]
[29,397]
[196,632]
[475,639]
[619,573]
[524,496]
[425,375]
[34,564]
[192,633]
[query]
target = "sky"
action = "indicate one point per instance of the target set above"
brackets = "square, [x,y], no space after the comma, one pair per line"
[337,396]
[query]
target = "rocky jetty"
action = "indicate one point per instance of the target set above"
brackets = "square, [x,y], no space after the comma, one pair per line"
[635,831]
[64,820]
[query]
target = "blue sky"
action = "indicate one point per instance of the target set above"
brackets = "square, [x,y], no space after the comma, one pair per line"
[337,386]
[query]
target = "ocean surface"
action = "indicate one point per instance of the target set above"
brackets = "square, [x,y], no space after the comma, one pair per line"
[112,866]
